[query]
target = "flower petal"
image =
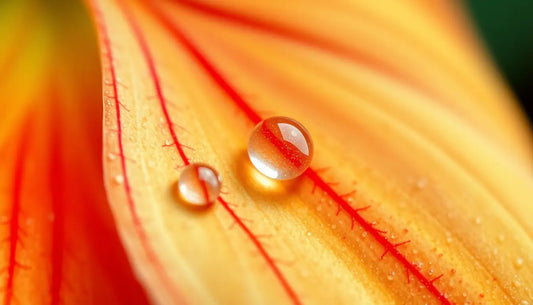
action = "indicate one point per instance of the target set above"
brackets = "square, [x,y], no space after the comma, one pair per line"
[59,243]
[406,117]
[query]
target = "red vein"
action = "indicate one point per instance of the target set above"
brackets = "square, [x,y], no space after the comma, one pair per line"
[15,213]
[271,263]
[139,229]
[239,221]
[58,230]
[310,173]
[298,35]
[202,183]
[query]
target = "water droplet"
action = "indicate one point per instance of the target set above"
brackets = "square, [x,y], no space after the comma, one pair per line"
[308,233]
[421,183]
[199,184]
[280,148]
[478,220]
[524,302]
[518,262]
[119,179]
[390,277]
[111,156]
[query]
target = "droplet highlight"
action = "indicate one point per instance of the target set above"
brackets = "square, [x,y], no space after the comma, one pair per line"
[199,184]
[280,148]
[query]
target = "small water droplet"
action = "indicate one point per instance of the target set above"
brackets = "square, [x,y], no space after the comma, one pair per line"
[364,234]
[524,302]
[518,262]
[421,183]
[119,179]
[478,220]
[111,156]
[199,184]
[390,277]
[280,148]
[308,233]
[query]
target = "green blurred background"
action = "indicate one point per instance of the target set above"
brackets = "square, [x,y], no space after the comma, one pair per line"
[507,29]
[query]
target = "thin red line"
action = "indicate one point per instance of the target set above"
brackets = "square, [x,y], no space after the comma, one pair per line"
[310,173]
[293,154]
[202,184]
[298,35]
[153,72]
[15,212]
[131,204]
[58,230]
[271,263]
[155,77]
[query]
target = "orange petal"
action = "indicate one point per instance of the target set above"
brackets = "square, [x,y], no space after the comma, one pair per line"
[406,117]
[59,242]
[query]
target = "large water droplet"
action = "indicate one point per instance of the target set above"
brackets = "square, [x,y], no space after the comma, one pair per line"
[199,184]
[280,148]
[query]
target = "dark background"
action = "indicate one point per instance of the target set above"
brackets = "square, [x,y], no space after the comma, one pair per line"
[506,27]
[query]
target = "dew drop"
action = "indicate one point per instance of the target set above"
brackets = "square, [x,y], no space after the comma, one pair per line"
[280,148]
[421,183]
[199,184]
[390,277]
[111,156]
[518,262]
[119,179]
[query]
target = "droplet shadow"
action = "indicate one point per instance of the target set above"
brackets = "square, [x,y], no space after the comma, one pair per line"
[259,184]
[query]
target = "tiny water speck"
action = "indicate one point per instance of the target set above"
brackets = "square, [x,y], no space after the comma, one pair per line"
[119,179]
[280,148]
[518,262]
[199,184]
